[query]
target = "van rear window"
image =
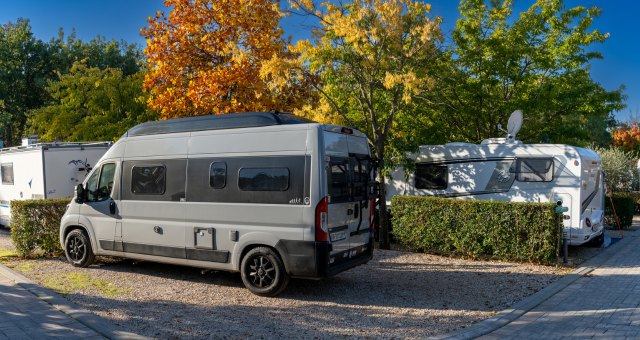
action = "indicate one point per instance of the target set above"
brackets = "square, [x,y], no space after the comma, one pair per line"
[339,180]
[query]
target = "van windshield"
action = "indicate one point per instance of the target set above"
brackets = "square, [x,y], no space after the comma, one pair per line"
[349,178]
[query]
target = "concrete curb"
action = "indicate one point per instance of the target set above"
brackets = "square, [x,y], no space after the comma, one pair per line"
[101,326]
[508,315]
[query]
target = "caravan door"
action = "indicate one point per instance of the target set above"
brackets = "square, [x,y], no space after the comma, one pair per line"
[99,207]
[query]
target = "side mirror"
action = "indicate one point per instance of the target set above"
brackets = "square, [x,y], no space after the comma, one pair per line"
[79,193]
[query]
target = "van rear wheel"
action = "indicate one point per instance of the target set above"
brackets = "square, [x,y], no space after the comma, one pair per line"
[77,248]
[263,272]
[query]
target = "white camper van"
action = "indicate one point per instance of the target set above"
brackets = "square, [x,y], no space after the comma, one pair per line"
[46,170]
[267,194]
[507,170]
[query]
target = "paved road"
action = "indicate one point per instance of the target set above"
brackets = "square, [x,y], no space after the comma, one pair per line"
[24,316]
[604,303]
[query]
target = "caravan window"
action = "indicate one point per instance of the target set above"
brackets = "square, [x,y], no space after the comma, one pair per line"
[431,176]
[7,173]
[148,180]
[263,179]
[534,169]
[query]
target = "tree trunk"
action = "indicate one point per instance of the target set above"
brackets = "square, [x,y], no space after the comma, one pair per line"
[383,217]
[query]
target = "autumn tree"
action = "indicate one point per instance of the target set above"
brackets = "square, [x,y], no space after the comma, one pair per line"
[370,63]
[536,61]
[205,57]
[627,136]
[89,104]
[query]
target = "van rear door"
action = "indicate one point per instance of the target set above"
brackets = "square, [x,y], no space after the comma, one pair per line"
[348,182]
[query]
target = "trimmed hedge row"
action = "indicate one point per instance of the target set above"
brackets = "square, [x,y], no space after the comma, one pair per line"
[625,206]
[35,224]
[477,228]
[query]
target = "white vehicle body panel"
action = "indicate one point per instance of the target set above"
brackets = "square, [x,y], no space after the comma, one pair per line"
[488,171]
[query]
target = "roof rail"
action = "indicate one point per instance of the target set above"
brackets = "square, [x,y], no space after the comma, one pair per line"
[216,122]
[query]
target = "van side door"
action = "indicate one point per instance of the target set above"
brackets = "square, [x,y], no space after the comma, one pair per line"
[99,206]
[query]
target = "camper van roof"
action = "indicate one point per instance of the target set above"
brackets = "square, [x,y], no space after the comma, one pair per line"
[216,122]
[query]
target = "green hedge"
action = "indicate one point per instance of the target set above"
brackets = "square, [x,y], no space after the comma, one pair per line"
[635,196]
[625,206]
[478,228]
[35,224]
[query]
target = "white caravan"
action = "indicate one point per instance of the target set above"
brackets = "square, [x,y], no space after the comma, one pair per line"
[47,170]
[267,194]
[505,169]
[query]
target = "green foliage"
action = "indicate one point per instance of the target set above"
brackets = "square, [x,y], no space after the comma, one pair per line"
[90,103]
[635,196]
[619,167]
[35,224]
[28,65]
[476,228]
[536,61]
[624,206]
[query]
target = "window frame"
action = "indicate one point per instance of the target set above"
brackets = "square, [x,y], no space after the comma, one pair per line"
[109,196]
[2,165]
[438,187]
[518,169]
[164,182]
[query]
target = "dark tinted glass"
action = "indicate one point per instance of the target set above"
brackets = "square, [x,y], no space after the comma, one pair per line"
[7,173]
[92,185]
[339,180]
[218,175]
[263,179]
[360,178]
[148,180]
[431,176]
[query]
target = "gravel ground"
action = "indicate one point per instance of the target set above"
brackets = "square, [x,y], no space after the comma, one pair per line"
[396,295]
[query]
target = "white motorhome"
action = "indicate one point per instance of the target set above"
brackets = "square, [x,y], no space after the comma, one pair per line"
[45,170]
[505,169]
[267,194]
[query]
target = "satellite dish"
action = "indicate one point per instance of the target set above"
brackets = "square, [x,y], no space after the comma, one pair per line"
[515,123]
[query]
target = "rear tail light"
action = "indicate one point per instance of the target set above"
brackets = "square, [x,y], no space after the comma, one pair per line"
[372,214]
[322,217]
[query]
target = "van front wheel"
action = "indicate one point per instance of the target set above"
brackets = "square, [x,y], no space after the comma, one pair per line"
[263,272]
[77,248]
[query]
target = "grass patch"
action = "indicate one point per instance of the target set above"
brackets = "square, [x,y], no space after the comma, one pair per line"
[74,282]
[26,266]
[7,255]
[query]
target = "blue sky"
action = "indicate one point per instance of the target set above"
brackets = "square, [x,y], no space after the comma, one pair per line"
[122,19]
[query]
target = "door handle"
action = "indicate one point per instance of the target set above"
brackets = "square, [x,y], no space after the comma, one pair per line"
[157,229]
[356,211]
[112,207]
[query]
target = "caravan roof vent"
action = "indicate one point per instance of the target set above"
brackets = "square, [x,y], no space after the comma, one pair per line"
[216,122]
[500,141]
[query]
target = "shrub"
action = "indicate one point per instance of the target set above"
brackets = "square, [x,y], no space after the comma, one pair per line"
[635,196]
[35,224]
[620,166]
[625,206]
[477,228]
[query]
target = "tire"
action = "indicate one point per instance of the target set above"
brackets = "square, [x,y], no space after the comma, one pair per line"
[263,272]
[598,240]
[77,248]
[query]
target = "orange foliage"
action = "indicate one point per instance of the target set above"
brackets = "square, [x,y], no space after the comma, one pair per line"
[206,56]
[627,136]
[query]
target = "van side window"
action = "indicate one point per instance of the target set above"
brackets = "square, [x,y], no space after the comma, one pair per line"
[534,169]
[218,175]
[431,176]
[92,185]
[263,179]
[7,173]
[148,180]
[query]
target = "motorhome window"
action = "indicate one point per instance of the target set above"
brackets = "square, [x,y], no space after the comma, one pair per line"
[534,169]
[148,180]
[218,175]
[7,173]
[105,185]
[431,176]
[263,179]
[339,180]
[92,185]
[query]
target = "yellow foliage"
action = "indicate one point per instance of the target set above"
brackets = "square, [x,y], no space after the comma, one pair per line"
[206,57]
